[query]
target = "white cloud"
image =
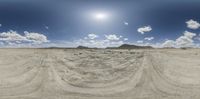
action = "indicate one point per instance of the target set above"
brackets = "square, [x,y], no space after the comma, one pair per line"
[0,25]
[144,29]
[149,38]
[192,24]
[125,39]
[169,43]
[111,40]
[113,37]
[197,37]
[140,41]
[35,37]
[13,38]
[185,40]
[125,23]
[92,36]
[98,43]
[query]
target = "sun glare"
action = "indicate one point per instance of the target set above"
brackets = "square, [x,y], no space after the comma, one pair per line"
[100,16]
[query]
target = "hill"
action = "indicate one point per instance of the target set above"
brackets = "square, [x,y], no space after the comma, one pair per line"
[128,46]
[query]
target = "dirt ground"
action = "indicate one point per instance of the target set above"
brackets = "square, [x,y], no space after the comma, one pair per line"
[99,74]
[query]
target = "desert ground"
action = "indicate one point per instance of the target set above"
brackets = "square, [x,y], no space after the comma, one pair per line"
[99,74]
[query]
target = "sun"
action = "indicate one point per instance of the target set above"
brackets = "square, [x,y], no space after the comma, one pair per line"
[100,16]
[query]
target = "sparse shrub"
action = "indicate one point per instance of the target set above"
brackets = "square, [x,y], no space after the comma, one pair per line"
[132,52]
[183,48]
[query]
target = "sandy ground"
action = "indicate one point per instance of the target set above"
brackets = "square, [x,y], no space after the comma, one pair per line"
[99,74]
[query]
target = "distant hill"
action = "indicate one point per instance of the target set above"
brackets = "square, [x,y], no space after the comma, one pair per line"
[123,46]
[82,47]
[128,46]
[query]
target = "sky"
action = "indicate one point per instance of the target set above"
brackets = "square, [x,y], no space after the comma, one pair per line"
[99,23]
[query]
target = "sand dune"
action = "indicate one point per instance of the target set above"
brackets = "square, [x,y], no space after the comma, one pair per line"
[99,74]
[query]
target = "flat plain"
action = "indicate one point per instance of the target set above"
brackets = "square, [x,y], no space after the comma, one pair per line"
[99,74]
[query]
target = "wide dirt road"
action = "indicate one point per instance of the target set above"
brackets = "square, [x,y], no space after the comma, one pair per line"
[99,74]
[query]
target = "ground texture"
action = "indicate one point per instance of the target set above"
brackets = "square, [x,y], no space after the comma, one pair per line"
[99,74]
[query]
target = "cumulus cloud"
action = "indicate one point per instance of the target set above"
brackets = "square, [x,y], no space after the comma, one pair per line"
[149,38]
[92,36]
[186,40]
[35,37]
[113,37]
[140,41]
[192,24]
[144,29]
[197,37]
[98,43]
[125,39]
[169,43]
[12,37]
[111,40]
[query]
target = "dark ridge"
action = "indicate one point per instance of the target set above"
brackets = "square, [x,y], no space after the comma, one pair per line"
[82,47]
[123,46]
[128,46]
[184,48]
[111,47]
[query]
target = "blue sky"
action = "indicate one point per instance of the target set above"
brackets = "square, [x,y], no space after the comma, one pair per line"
[99,23]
